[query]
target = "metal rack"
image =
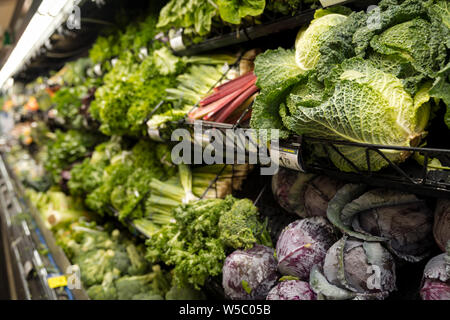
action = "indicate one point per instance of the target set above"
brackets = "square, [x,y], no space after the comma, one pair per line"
[271,26]
[410,176]
[36,256]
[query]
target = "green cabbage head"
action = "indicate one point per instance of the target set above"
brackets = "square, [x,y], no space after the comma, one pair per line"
[360,104]
[309,39]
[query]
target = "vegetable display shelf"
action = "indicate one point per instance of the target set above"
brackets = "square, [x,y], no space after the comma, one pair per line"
[409,176]
[235,178]
[249,33]
[40,264]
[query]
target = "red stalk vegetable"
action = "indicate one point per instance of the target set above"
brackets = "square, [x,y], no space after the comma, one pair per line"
[244,77]
[236,103]
[212,108]
[226,91]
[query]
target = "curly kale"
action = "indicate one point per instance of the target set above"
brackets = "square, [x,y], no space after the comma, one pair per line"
[191,245]
[196,245]
[240,227]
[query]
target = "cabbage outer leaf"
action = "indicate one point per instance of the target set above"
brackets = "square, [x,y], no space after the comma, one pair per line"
[277,73]
[309,39]
[367,105]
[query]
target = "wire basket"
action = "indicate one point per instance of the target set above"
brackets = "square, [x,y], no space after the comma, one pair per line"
[409,176]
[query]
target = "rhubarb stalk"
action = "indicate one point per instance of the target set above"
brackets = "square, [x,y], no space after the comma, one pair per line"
[242,78]
[212,108]
[236,103]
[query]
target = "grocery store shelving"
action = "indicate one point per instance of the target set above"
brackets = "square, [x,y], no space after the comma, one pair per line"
[249,33]
[35,254]
[411,176]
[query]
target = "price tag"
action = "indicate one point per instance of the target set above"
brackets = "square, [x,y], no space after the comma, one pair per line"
[176,42]
[288,157]
[56,282]
[327,3]
[153,133]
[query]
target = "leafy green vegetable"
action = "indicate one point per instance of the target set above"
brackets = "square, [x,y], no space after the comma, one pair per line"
[290,7]
[184,293]
[196,15]
[367,106]
[191,245]
[88,175]
[240,227]
[126,36]
[111,266]
[309,39]
[277,73]
[195,245]
[441,90]
[233,11]
[56,209]
[67,148]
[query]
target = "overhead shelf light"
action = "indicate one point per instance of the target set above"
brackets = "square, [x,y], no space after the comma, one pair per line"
[49,16]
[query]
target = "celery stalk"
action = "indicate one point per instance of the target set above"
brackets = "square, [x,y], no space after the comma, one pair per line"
[186,181]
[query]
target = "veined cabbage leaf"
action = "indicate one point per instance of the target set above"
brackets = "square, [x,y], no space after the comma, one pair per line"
[277,73]
[417,42]
[441,90]
[309,39]
[366,105]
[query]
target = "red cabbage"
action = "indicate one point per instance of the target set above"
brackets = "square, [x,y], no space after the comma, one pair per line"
[441,229]
[302,244]
[292,290]
[250,274]
[436,283]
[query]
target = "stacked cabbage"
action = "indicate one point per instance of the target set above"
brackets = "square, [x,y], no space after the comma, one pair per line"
[363,77]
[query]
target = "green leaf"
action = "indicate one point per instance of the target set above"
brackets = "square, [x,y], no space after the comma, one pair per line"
[416,41]
[366,106]
[309,39]
[321,286]
[233,11]
[277,73]
[441,90]
[246,287]
[336,206]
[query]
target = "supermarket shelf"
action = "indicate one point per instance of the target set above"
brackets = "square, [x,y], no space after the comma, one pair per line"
[37,257]
[244,34]
[250,33]
[409,176]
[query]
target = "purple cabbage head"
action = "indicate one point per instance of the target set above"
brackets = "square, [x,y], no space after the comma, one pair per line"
[436,283]
[291,290]
[441,229]
[249,274]
[365,269]
[318,193]
[401,220]
[302,244]
[303,194]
